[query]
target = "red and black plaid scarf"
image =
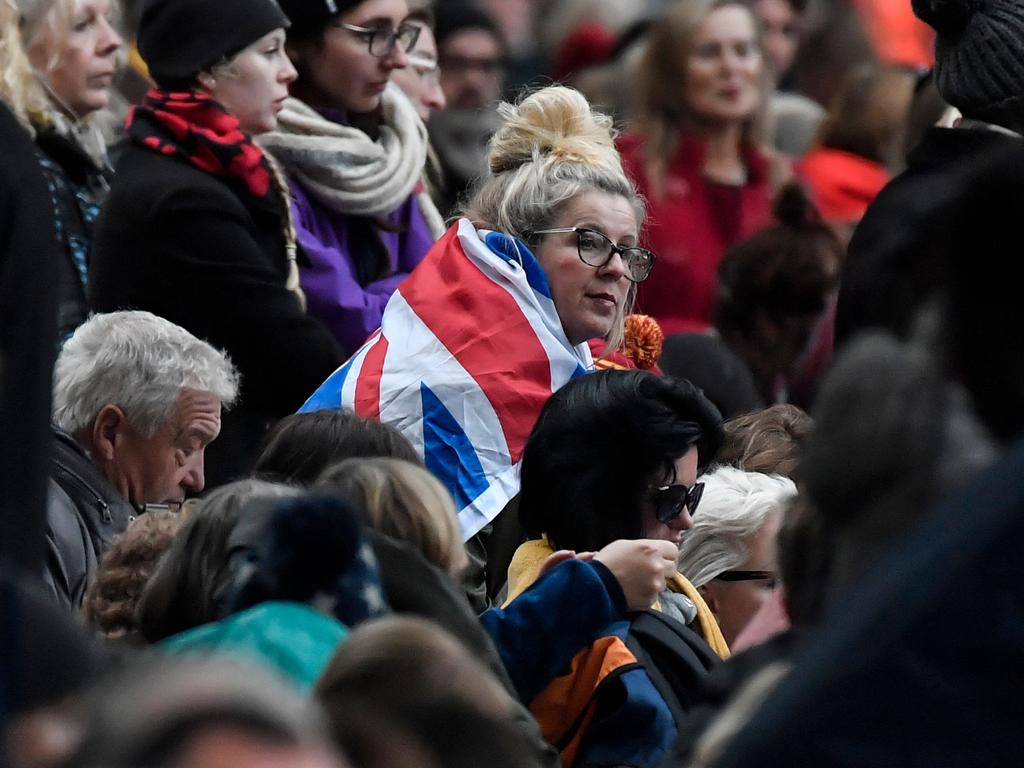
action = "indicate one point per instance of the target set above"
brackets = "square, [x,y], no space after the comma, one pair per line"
[196,128]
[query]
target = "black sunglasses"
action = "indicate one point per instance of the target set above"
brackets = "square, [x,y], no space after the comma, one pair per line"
[669,500]
[768,576]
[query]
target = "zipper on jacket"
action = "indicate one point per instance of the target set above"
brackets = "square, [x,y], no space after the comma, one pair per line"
[101,505]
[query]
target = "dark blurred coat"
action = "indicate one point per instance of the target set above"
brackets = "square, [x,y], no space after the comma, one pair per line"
[891,269]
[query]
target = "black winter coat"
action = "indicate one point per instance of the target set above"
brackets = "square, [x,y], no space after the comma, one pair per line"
[28,333]
[187,246]
[891,269]
[84,514]
[78,186]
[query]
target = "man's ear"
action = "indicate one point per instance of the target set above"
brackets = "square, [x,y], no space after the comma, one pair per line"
[106,431]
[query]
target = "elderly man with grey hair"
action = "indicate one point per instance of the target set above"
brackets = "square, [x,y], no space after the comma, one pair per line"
[136,401]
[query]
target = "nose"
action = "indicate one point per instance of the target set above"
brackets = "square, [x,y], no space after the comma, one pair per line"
[683,522]
[109,39]
[433,96]
[288,73]
[397,58]
[615,268]
[195,479]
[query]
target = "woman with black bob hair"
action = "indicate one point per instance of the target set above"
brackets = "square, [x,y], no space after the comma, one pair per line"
[602,450]
[616,455]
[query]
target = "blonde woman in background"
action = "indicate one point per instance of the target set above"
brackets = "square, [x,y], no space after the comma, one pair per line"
[697,154]
[72,52]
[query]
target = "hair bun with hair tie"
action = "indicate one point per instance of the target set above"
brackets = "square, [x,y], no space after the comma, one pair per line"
[947,17]
[793,208]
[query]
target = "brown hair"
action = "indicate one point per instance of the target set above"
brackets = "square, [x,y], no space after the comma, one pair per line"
[404,501]
[767,441]
[661,113]
[412,659]
[869,114]
[111,600]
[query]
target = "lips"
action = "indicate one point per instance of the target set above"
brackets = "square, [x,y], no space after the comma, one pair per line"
[604,298]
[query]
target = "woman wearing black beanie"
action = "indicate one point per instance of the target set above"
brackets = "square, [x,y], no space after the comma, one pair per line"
[197,227]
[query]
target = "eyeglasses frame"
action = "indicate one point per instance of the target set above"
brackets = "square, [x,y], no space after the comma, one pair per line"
[393,36]
[616,249]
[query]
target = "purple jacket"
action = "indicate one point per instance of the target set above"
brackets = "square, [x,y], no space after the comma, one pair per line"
[351,311]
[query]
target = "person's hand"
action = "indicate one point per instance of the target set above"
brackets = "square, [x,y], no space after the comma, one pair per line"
[641,567]
[559,557]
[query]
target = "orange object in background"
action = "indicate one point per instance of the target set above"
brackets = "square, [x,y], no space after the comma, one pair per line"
[898,35]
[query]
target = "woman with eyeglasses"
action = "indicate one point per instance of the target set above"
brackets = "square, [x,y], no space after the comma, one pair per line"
[545,258]
[197,226]
[729,553]
[354,149]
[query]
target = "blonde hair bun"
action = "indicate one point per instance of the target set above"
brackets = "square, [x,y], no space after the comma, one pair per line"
[553,124]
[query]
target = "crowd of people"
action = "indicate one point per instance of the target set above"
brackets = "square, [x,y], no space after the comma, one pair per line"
[578,383]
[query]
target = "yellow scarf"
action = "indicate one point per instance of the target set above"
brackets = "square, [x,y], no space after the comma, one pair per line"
[525,567]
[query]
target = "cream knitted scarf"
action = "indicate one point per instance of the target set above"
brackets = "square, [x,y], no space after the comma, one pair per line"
[346,170]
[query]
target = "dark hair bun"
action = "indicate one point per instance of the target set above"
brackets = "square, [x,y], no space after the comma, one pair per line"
[947,17]
[794,209]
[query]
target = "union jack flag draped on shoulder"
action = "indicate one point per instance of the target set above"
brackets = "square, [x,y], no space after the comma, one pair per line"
[469,349]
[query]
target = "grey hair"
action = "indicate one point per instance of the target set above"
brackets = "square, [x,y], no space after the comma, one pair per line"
[551,148]
[150,711]
[139,362]
[734,507]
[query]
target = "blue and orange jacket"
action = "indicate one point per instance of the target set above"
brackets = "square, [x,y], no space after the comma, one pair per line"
[567,648]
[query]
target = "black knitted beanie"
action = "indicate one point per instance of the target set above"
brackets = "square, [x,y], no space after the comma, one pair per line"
[178,39]
[979,56]
[309,17]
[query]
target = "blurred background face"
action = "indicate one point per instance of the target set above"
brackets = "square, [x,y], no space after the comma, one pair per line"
[79,61]
[421,79]
[780,34]
[724,68]
[472,69]
[338,70]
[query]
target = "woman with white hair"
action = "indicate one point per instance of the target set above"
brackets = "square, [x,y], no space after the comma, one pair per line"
[729,553]
[70,56]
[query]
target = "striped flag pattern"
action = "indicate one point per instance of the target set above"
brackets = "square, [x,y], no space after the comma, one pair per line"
[469,349]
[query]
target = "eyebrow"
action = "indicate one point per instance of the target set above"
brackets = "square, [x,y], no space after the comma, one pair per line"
[378,21]
[598,229]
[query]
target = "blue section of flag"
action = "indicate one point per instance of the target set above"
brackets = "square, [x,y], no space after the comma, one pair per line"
[328,394]
[448,452]
[513,250]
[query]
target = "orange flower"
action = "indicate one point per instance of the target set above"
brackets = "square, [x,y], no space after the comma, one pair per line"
[644,339]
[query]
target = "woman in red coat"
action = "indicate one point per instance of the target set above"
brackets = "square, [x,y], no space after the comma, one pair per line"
[695,153]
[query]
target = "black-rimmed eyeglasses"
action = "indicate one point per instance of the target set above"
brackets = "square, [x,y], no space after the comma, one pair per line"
[381,42]
[669,500]
[768,576]
[596,250]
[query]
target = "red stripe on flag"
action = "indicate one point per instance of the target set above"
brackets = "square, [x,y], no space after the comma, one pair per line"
[367,397]
[485,330]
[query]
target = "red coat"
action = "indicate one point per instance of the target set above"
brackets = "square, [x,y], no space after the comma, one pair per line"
[690,226]
[842,185]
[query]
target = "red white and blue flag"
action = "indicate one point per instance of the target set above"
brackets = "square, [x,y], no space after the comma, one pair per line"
[469,349]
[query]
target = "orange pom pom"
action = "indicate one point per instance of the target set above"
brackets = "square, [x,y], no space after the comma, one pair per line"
[644,339]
